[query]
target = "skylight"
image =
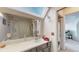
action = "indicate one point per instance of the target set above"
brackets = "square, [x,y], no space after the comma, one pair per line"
[35,10]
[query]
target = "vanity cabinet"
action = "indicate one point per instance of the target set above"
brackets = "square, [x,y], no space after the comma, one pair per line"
[42,48]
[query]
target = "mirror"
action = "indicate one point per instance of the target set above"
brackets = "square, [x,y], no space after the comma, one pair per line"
[15,27]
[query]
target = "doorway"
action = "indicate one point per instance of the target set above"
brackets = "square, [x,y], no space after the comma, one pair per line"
[67,43]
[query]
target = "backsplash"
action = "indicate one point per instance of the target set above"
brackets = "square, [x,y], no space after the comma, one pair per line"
[19,27]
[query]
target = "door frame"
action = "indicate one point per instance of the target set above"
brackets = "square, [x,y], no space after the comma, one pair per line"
[60,37]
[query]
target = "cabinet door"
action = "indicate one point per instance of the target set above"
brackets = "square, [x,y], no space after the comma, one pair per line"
[31,50]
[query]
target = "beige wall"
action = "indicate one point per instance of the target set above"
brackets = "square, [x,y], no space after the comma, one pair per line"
[68,10]
[71,10]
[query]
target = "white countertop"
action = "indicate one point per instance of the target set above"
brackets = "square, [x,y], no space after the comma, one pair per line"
[23,45]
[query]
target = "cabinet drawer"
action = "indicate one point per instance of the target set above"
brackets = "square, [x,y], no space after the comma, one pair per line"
[40,48]
[43,46]
[28,51]
[47,49]
[33,50]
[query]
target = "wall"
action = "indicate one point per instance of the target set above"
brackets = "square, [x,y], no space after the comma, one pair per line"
[3,28]
[68,10]
[71,22]
[50,25]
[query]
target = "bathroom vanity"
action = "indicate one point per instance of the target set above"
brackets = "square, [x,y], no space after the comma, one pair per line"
[18,31]
[15,30]
[23,45]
